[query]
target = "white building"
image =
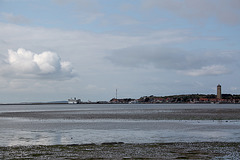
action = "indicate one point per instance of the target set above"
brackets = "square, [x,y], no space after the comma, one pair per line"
[74,101]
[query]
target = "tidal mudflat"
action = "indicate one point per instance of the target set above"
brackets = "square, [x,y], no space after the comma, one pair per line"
[145,131]
[197,150]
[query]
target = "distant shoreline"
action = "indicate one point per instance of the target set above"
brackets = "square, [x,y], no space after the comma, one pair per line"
[38,103]
[61,103]
[173,99]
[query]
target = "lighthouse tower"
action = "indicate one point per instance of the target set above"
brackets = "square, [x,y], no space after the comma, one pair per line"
[219,92]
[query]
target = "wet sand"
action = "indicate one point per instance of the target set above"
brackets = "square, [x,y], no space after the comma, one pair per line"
[200,150]
[151,114]
[178,150]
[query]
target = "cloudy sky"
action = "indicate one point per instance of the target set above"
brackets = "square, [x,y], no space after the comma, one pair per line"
[57,49]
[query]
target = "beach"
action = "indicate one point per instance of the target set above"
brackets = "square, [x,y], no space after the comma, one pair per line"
[120,132]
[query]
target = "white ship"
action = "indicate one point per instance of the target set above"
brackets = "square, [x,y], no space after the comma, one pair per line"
[74,101]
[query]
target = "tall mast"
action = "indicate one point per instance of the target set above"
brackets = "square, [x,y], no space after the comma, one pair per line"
[116,93]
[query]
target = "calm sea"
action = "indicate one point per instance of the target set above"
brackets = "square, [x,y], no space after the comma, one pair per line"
[63,130]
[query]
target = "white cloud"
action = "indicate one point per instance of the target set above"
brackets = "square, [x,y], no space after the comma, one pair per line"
[48,62]
[207,70]
[27,64]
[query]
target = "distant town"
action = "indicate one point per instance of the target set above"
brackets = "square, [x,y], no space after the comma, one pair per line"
[191,98]
[186,98]
[218,98]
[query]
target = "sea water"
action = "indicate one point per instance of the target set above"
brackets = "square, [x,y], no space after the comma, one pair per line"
[63,130]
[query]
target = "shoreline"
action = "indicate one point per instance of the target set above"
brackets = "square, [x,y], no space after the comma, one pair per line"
[142,103]
[119,150]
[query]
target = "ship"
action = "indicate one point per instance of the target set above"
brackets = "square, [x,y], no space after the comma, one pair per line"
[74,101]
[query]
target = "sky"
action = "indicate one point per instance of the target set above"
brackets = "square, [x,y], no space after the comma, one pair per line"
[53,50]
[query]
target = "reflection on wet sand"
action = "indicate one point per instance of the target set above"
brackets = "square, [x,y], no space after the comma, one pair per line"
[122,123]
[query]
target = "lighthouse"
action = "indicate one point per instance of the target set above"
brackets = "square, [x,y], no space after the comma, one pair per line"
[219,92]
